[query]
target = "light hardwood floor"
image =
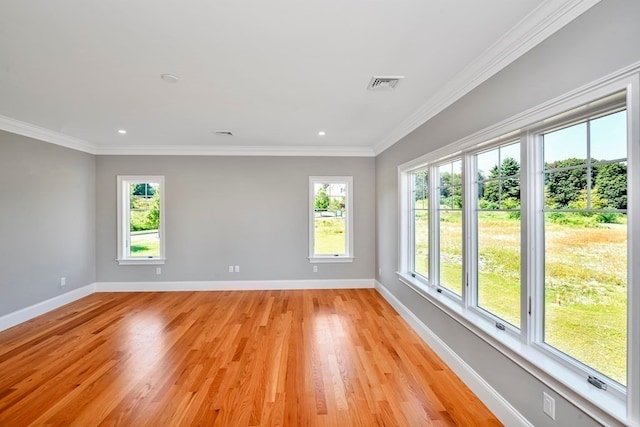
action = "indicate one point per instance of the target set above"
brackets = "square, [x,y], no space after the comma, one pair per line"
[263,358]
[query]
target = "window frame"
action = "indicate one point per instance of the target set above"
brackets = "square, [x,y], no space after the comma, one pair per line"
[525,346]
[123,220]
[412,227]
[348,256]
[473,235]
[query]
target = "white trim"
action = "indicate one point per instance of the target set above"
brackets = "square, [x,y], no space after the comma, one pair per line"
[541,23]
[633,254]
[36,132]
[330,259]
[500,407]
[234,285]
[12,319]
[506,129]
[46,135]
[228,150]
[140,261]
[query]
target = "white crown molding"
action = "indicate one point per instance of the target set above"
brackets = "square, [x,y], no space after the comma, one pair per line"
[480,387]
[228,150]
[36,132]
[537,26]
[42,134]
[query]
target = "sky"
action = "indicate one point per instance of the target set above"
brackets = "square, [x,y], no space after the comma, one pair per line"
[608,142]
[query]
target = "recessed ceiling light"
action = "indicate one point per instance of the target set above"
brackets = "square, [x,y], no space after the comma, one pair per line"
[322,133]
[169,78]
[122,131]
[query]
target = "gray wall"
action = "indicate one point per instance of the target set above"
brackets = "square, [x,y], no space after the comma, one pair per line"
[246,211]
[47,221]
[601,41]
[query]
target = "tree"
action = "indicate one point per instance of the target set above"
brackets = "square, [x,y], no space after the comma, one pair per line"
[421,186]
[143,190]
[337,204]
[510,186]
[565,186]
[153,217]
[322,200]
[611,184]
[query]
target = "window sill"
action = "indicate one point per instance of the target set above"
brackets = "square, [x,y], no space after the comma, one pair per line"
[600,404]
[141,261]
[330,259]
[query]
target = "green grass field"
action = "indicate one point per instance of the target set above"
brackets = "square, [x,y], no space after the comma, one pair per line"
[585,287]
[145,245]
[330,235]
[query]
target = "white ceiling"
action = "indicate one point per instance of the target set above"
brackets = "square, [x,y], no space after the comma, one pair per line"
[274,73]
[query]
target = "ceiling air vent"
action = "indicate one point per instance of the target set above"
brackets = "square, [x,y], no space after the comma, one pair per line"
[384,82]
[223,133]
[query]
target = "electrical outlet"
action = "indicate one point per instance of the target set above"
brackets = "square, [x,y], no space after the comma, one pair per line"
[63,281]
[549,405]
[158,271]
[237,269]
[315,268]
[231,269]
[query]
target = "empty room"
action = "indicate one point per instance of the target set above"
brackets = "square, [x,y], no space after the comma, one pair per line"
[320,213]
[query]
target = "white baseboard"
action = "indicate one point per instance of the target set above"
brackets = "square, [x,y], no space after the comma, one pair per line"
[233,285]
[12,319]
[497,404]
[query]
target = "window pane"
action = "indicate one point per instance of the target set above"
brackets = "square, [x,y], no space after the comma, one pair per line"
[421,242]
[421,224]
[499,264]
[566,189]
[451,250]
[610,186]
[330,232]
[563,144]
[330,215]
[144,214]
[586,251]
[488,164]
[586,289]
[609,137]
[510,152]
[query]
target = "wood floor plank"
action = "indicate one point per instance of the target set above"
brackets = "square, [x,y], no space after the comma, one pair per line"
[256,358]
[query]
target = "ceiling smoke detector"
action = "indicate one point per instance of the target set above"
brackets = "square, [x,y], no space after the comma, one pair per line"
[223,133]
[384,82]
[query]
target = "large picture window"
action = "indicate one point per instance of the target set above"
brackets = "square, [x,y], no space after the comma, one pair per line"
[527,238]
[140,220]
[420,216]
[498,231]
[450,225]
[585,240]
[330,219]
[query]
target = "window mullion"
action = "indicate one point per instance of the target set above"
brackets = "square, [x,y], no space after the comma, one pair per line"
[532,247]
[434,227]
[411,224]
[126,201]
[469,231]
[633,253]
